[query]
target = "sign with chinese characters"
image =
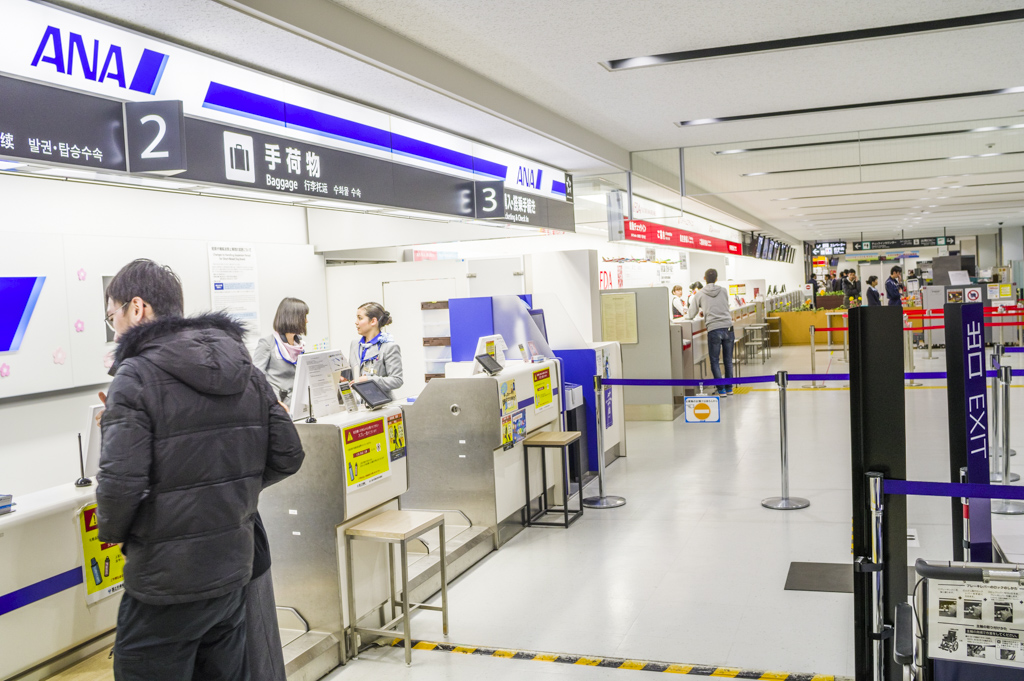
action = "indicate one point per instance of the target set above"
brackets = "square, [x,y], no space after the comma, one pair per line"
[52,126]
[542,389]
[829,248]
[702,410]
[537,211]
[653,233]
[976,419]
[103,563]
[904,243]
[366,453]
[396,437]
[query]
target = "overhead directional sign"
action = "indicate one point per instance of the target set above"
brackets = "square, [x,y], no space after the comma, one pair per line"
[904,243]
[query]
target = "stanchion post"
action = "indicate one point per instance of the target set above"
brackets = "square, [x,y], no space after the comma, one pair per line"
[995,465]
[877,505]
[966,502]
[930,343]
[1006,506]
[601,500]
[784,502]
[908,353]
[814,383]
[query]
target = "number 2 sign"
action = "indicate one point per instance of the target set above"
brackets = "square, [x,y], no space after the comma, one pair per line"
[156,137]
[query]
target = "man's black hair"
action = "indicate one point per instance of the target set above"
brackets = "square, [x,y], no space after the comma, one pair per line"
[895,269]
[156,284]
[711,276]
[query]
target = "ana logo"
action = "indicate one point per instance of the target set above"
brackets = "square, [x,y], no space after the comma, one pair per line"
[99,63]
[528,177]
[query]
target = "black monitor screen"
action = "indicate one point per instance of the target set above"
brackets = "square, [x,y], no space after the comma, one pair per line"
[489,364]
[760,247]
[538,319]
[372,394]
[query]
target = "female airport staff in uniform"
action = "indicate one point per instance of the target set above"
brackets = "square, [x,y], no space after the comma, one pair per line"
[376,356]
[277,354]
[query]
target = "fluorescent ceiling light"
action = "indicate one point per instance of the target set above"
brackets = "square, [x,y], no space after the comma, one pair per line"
[432,217]
[69,173]
[10,165]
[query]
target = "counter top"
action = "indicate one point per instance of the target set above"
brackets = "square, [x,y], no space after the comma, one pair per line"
[60,499]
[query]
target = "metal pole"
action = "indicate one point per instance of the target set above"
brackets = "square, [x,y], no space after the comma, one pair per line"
[876,503]
[967,518]
[930,343]
[995,462]
[908,353]
[600,501]
[785,502]
[814,383]
[1005,506]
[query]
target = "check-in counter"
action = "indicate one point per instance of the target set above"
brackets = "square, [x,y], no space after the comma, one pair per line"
[43,609]
[355,468]
[692,341]
[467,453]
[580,367]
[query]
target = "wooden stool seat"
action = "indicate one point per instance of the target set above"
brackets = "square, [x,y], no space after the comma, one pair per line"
[552,439]
[396,527]
[560,440]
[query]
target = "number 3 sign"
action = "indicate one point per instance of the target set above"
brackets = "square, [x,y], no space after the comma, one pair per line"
[156,137]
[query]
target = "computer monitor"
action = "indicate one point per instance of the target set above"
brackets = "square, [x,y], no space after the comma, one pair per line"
[373,395]
[760,247]
[489,364]
[538,319]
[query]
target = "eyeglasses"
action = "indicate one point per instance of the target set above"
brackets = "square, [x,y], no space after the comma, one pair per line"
[109,319]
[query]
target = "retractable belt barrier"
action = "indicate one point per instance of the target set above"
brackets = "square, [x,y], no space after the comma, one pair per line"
[738,380]
[968,490]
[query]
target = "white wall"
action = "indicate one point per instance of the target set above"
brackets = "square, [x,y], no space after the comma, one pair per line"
[572,276]
[1013,243]
[774,273]
[332,230]
[99,228]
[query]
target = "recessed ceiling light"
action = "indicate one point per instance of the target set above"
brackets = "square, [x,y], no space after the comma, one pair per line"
[732,151]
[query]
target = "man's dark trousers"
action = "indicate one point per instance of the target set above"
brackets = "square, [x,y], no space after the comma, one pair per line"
[201,640]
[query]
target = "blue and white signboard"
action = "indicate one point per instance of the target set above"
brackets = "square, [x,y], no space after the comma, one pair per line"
[702,410]
[49,45]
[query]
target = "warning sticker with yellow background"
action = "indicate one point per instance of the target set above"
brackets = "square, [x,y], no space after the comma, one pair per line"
[104,564]
[541,389]
[366,453]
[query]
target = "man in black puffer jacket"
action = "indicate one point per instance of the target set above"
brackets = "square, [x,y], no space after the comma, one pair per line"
[191,434]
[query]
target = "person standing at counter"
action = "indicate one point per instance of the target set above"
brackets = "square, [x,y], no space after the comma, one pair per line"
[713,301]
[874,296]
[376,356]
[277,354]
[191,434]
[893,287]
[678,304]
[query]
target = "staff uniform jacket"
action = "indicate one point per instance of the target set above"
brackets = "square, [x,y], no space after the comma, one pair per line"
[279,371]
[382,362]
[191,434]
[892,292]
[678,307]
[874,297]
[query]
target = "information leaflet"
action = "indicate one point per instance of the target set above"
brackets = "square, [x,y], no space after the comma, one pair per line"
[542,389]
[976,622]
[233,282]
[366,453]
[103,563]
[396,437]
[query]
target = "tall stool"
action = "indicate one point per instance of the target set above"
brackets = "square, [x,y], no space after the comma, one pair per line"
[561,440]
[396,527]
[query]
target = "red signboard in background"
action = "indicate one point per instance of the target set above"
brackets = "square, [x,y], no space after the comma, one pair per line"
[652,233]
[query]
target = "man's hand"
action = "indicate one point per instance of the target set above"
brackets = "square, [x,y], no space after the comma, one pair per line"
[361,379]
[99,414]
[285,407]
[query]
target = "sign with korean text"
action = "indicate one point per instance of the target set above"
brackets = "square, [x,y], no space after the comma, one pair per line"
[653,233]
[366,453]
[542,389]
[103,564]
[702,410]
[52,126]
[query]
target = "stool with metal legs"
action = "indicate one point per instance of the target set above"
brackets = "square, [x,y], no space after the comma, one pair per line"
[560,440]
[396,527]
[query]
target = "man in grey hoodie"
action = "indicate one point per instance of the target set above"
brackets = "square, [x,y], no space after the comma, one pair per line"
[713,301]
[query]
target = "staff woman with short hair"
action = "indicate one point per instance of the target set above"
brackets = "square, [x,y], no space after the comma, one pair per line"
[277,354]
[376,356]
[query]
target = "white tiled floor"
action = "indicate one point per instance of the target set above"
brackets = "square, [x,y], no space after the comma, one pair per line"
[692,569]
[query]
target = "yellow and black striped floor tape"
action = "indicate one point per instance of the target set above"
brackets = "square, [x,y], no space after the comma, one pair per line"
[615,662]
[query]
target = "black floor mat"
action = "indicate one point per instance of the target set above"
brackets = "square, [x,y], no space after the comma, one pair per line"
[829,577]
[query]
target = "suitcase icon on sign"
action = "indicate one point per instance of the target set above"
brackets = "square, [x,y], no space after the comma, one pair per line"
[239,158]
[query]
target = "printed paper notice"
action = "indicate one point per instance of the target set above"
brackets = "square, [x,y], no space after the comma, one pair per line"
[618,317]
[513,429]
[976,622]
[1006,290]
[366,453]
[233,282]
[542,389]
[103,563]
[993,292]
[507,394]
[317,376]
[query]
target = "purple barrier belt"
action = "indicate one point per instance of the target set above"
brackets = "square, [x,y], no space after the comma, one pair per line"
[951,489]
[686,382]
[819,377]
[1013,349]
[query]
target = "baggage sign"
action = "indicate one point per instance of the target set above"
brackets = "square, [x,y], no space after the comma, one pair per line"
[702,410]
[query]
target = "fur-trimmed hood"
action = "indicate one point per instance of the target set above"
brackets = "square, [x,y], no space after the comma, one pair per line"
[205,352]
